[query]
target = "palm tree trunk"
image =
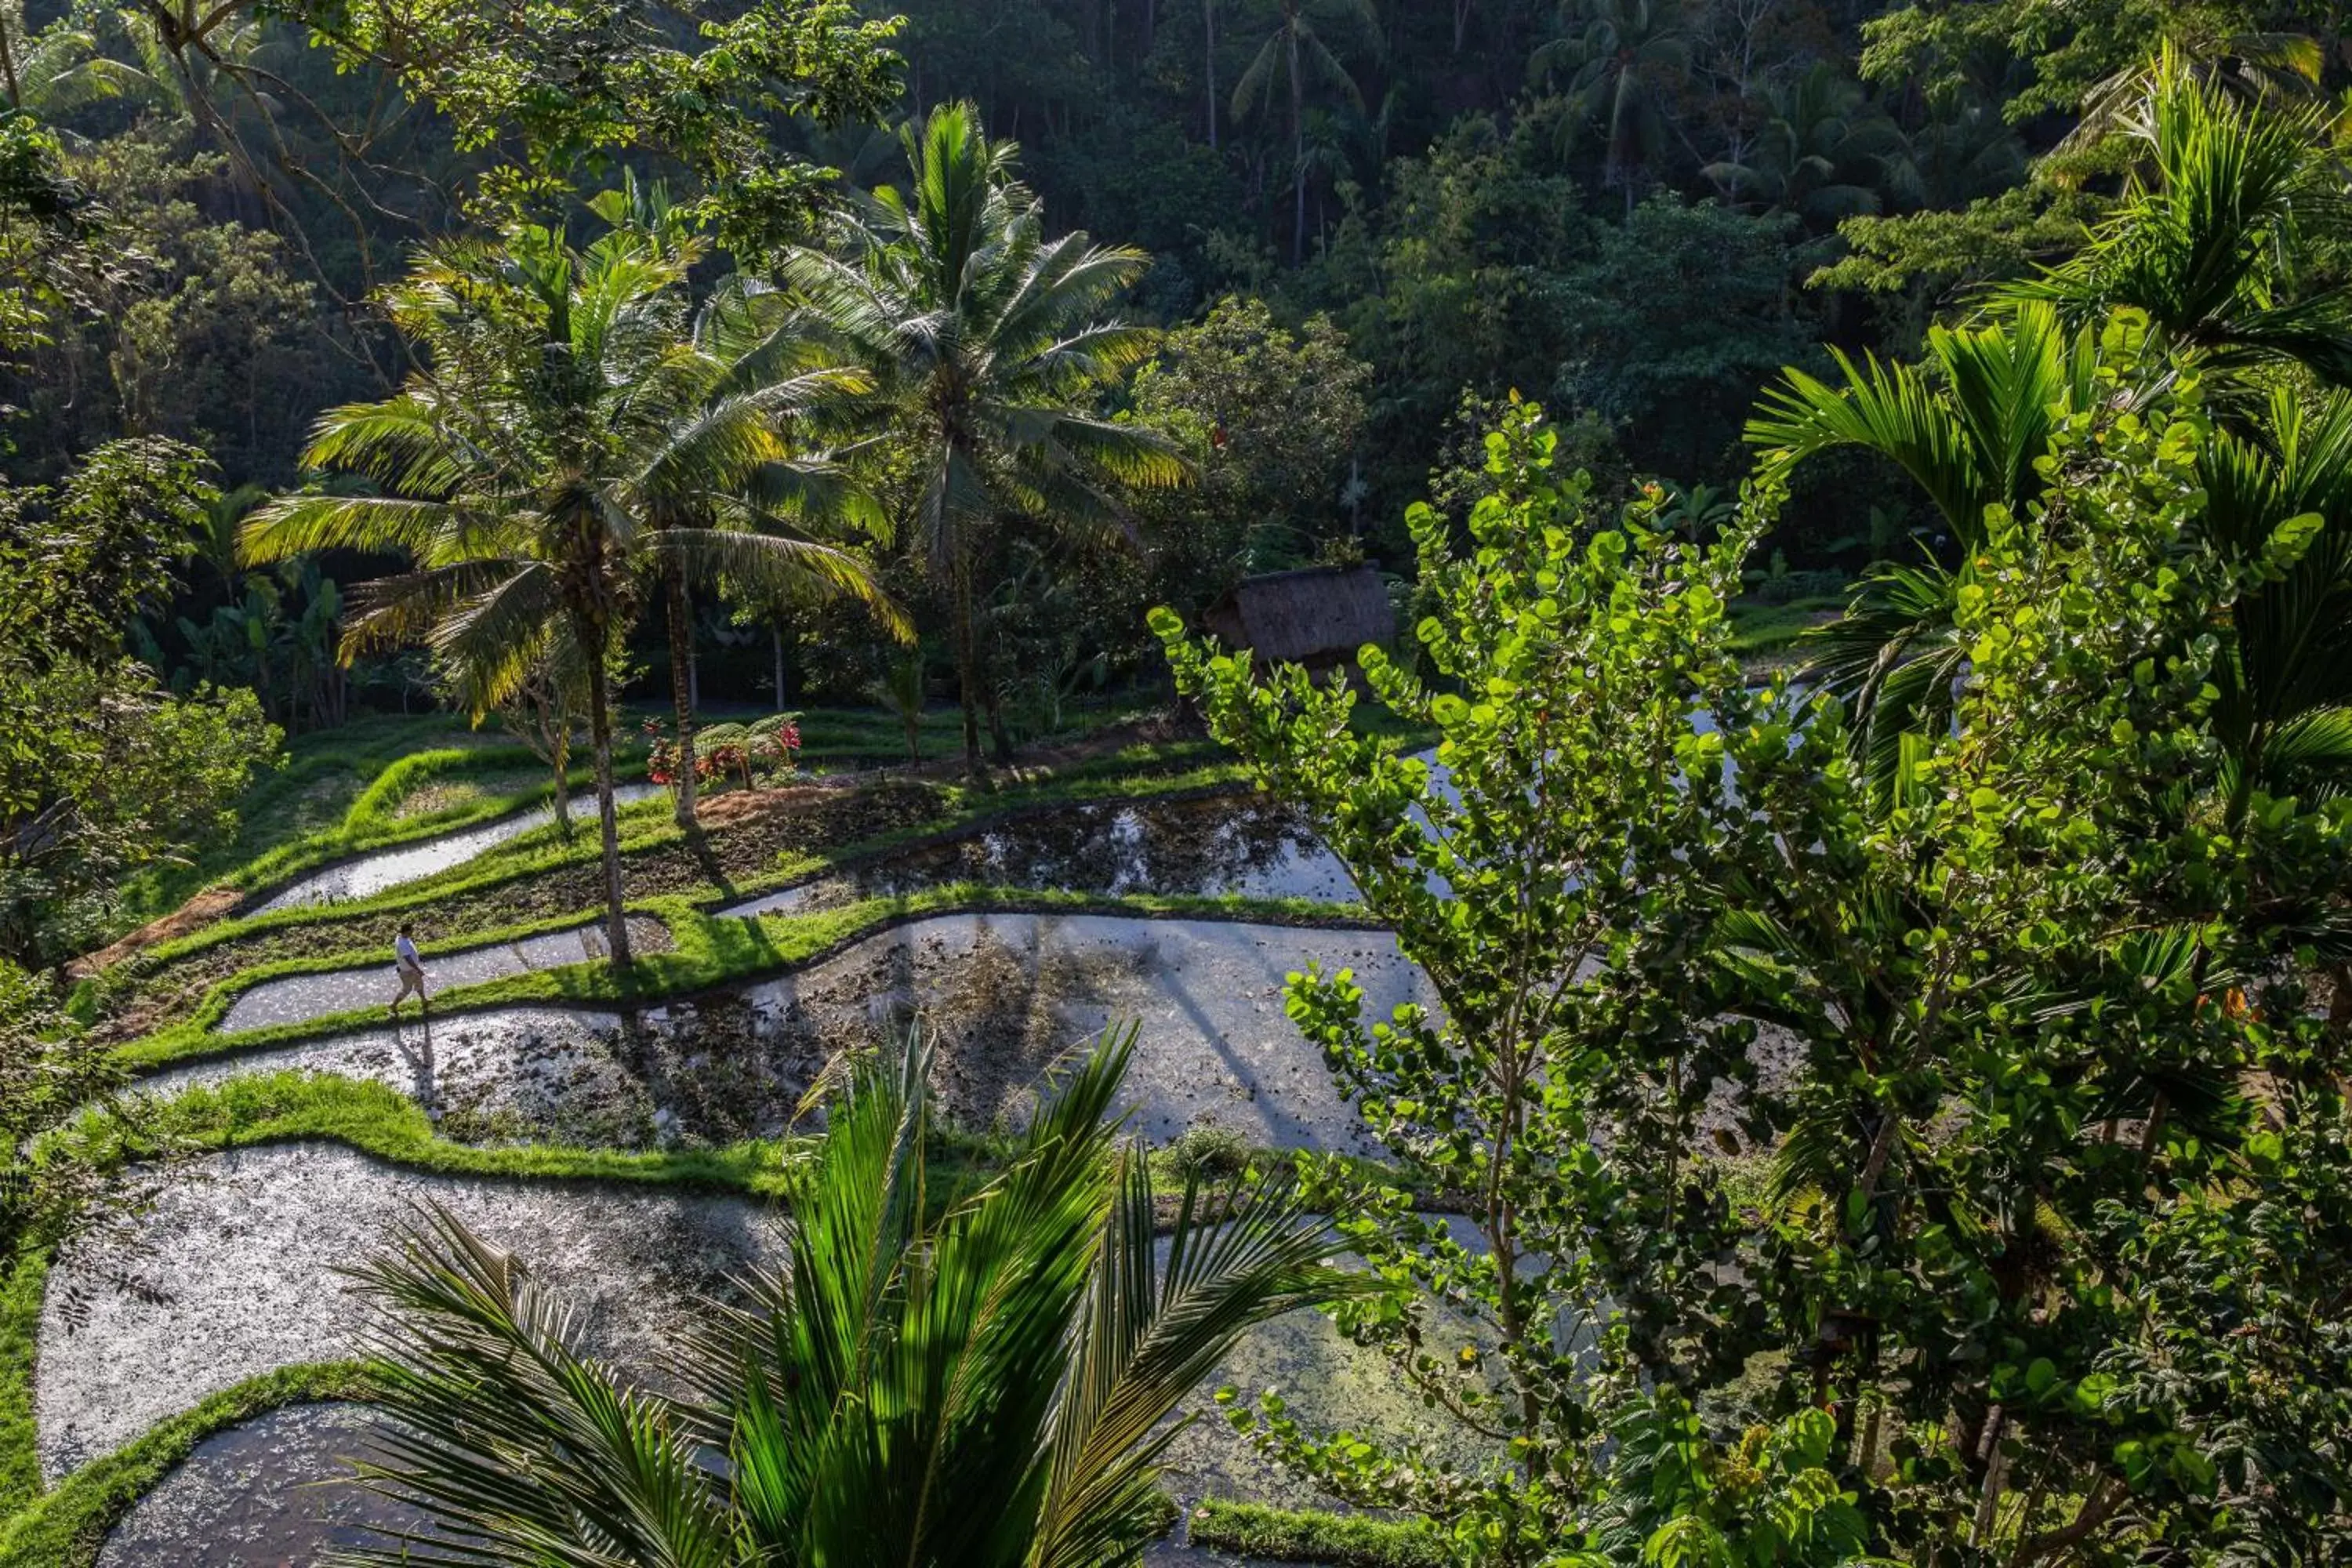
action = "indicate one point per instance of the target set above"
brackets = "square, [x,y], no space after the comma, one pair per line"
[681,690]
[1000,739]
[967,664]
[1297,156]
[776,647]
[600,730]
[561,749]
[1209,58]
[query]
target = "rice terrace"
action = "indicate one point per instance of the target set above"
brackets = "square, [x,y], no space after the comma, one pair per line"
[1054,784]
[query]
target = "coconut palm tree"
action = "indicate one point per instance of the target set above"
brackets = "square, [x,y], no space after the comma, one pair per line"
[728,464]
[60,68]
[1824,154]
[1295,49]
[1963,151]
[981,1381]
[1622,60]
[988,344]
[568,440]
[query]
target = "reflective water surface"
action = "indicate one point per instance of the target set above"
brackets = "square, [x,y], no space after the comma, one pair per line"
[371,874]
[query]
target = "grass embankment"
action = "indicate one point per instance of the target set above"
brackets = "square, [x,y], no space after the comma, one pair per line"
[1768,634]
[540,882]
[385,780]
[1339,1540]
[381,1122]
[66,1526]
[425,796]
[308,810]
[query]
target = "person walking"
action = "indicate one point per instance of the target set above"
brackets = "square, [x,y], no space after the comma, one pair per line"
[404,959]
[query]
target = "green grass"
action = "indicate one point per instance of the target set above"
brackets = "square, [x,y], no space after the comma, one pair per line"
[1766,631]
[1133,772]
[20,1333]
[1341,1539]
[325,772]
[341,791]
[376,1119]
[65,1528]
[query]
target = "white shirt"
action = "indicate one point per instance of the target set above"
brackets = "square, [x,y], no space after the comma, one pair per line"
[405,951]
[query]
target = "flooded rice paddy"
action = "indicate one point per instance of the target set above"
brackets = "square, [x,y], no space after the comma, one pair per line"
[1240,846]
[298,998]
[273,1493]
[369,875]
[1007,995]
[246,1254]
[277,1489]
[250,1250]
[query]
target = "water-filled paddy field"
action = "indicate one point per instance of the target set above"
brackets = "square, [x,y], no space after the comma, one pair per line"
[249,1249]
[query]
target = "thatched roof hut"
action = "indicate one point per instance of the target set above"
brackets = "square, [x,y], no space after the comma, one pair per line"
[1316,615]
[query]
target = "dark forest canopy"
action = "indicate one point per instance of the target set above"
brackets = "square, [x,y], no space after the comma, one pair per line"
[1637,211]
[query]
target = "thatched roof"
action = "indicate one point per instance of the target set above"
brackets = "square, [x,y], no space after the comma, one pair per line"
[1315,616]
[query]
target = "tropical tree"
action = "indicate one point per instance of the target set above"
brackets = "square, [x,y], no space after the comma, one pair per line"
[1295,49]
[1970,427]
[714,471]
[984,1381]
[1975,438]
[59,69]
[2042,1260]
[199,60]
[2232,204]
[2212,250]
[568,439]
[1823,153]
[988,343]
[102,769]
[1964,149]
[1622,60]
[2284,709]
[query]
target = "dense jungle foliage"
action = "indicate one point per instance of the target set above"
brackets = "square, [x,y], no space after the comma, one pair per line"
[1634,210]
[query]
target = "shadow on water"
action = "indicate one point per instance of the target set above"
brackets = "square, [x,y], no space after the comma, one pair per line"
[277,1490]
[423,1088]
[1239,846]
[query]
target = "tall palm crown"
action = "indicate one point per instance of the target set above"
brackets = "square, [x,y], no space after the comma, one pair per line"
[57,68]
[980,1383]
[1621,59]
[990,344]
[1825,154]
[569,435]
[1294,51]
[2226,199]
[730,488]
